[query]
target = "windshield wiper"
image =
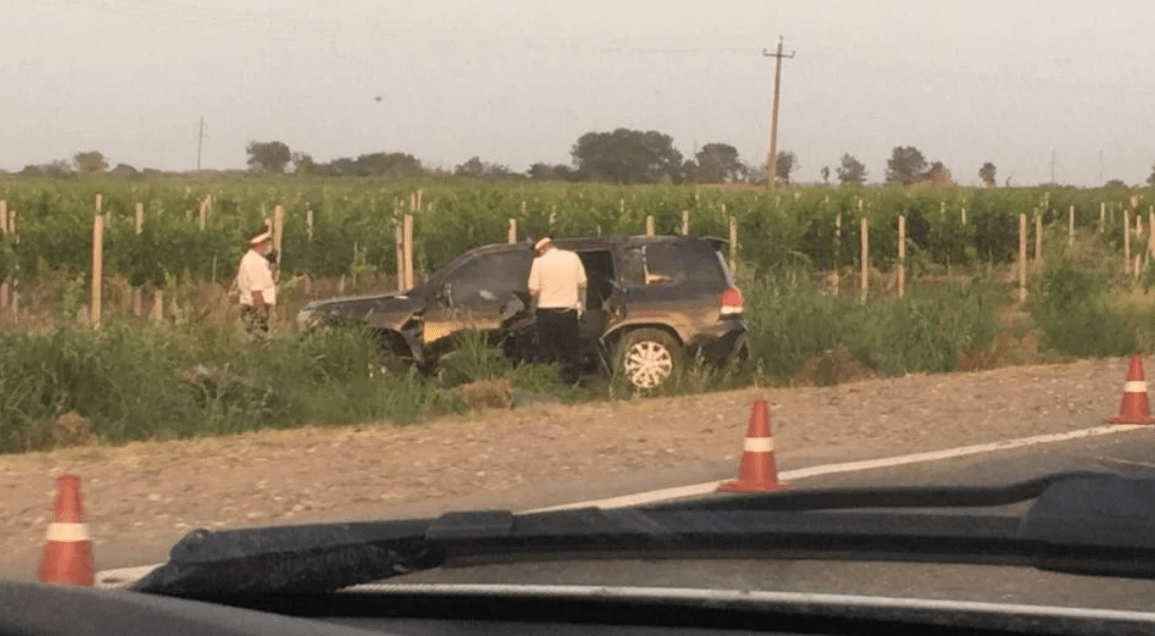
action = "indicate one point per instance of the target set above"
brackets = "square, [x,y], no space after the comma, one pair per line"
[1087,523]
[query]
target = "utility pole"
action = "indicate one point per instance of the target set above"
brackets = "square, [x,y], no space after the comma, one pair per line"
[772,159]
[200,142]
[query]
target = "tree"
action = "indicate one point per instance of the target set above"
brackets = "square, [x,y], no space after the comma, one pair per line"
[1116,183]
[546,172]
[939,174]
[303,164]
[270,156]
[377,164]
[906,165]
[825,172]
[627,156]
[851,171]
[716,163]
[477,168]
[787,162]
[90,162]
[1151,177]
[987,174]
[124,170]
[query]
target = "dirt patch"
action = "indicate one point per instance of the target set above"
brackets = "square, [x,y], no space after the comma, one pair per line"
[144,490]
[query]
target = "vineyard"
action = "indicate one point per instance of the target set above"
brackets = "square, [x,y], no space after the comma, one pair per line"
[195,231]
[182,240]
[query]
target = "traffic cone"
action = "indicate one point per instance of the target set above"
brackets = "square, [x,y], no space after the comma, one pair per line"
[758,471]
[67,557]
[1134,409]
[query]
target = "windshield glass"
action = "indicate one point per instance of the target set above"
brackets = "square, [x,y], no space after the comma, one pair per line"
[810,249]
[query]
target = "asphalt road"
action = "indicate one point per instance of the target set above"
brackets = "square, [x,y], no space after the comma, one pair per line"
[1129,452]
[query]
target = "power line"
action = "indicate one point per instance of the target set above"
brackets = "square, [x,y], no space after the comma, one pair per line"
[772,159]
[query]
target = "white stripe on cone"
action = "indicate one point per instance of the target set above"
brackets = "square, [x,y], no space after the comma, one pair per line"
[67,532]
[759,444]
[1135,386]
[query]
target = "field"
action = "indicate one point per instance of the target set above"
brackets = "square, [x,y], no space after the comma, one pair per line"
[192,374]
[194,230]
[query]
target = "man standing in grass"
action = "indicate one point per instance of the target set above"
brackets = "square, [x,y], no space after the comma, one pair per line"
[557,280]
[258,292]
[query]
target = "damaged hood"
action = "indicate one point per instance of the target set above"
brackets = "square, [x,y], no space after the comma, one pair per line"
[378,310]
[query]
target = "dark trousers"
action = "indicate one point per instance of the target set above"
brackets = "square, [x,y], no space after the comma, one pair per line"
[559,340]
[256,322]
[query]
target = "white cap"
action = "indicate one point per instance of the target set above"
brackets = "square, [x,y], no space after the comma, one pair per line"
[541,243]
[261,238]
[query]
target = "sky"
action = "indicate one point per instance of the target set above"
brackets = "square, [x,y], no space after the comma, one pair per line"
[1028,85]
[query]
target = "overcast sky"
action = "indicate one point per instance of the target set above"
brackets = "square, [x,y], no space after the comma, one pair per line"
[518,81]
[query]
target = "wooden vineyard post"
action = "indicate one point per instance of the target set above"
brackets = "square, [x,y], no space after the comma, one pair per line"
[511,234]
[685,222]
[901,256]
[14,230]
[1151,233]
[1126,241]
[1038,241]
[399,237]
[278,239]
[1071,226]
[964,215]
[137,297]
[309,224]
[1102,215]
[649,225]
[837,251]
[97,267]
[408,237]
[552,216]
[865,257]
[3,233]
[203,215]
[1022,258]
[734,245]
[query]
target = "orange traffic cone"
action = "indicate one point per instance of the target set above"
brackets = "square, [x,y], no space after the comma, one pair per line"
[758,471]
[67,555]
[1135,408]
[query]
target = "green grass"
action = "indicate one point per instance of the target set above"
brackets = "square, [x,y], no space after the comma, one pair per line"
[793,319]
[138,382]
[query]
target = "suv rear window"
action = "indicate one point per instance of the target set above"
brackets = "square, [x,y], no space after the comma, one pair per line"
[690,263]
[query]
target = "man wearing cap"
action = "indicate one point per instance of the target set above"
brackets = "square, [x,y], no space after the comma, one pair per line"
[557,280]
[258,292]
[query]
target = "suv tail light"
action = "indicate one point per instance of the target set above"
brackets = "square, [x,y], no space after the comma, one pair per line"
[732,302]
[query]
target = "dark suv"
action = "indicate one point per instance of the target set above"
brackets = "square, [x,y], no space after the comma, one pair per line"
[653,304]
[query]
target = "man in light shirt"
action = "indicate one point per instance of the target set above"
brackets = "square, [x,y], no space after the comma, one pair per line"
[258,292]
[557,280]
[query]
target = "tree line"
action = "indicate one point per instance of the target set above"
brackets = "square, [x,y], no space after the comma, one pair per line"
[623,156]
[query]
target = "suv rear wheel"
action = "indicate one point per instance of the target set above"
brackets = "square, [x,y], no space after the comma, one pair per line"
[649,357]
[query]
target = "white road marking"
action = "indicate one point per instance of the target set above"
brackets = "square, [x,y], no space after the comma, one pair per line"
[667,494]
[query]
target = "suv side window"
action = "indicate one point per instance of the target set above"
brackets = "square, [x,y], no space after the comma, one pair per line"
[500,274]
[690,263]
[632,269]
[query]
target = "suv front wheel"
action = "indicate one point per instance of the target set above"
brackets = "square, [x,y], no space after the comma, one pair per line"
[649,357]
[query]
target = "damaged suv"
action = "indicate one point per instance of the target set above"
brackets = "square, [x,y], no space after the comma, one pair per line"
[653,305]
